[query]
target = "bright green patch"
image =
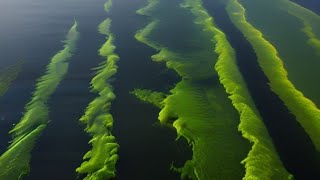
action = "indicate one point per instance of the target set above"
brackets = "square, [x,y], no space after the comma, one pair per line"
[199,107]
[99,162]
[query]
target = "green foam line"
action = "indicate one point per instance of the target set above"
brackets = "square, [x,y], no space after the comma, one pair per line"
[306,112]
[99,162]
[8,75]
[14,163]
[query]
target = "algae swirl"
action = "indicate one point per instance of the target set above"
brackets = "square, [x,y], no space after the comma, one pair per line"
[99,162]
[199,106]
[14,162]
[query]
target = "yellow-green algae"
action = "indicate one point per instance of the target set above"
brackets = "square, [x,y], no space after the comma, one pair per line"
[99,162]
[152,97]
[196,109]
[287,35]
[108,5]
[204,115]
[9,74]
[14,163]
[262,161]
[146,11]
[304,109]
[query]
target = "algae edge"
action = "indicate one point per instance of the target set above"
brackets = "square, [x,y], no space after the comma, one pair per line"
[305,111]
[14,162]
[151,97]
[262,161]
[100,161]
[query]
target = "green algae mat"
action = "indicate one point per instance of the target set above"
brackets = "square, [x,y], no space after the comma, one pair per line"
[209,104]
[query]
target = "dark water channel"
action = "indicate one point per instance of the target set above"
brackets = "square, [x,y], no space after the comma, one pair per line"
[146,149]
[60,148]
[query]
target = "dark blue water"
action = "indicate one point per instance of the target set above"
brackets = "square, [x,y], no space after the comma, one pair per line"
[25,33]
[33,30]
[313,5]
[64,142]
[147,150]
[294,146]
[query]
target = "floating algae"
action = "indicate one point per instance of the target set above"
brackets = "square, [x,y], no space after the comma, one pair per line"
[200,106]
[262,161]
[9,74]
[99,163]
[108,5]
[14,163]
[149,96]
[270,60]
[299,30]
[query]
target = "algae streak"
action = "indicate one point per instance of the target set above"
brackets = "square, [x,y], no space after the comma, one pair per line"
[304,109]
[14,163]
[99,162]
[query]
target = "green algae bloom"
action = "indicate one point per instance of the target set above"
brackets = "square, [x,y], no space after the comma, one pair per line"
[14,162]
[99,162]
[209,116]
